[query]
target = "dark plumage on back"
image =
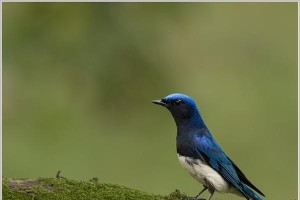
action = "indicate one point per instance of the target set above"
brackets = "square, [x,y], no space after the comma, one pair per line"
[201,155]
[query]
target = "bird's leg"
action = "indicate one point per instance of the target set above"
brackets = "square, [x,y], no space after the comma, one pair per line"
[210,188]
[211,194]
[205,188]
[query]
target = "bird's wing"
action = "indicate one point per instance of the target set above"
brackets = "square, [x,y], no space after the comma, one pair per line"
[214,156]
[243,178]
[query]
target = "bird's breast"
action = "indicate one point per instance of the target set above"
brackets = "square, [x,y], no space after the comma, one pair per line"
[200,171]
[185,146]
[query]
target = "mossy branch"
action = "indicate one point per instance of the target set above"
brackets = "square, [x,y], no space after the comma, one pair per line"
[62,188]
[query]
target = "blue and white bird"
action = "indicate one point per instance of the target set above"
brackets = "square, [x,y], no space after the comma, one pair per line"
[201,155]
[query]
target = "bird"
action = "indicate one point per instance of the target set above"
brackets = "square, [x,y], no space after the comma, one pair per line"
[200,154]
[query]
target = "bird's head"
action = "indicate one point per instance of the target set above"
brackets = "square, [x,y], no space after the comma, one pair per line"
[183,109]
[181,106]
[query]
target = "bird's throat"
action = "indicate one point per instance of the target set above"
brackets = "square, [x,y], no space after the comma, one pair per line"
[191,123]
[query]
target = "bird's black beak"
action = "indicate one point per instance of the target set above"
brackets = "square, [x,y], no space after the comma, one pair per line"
[159,102]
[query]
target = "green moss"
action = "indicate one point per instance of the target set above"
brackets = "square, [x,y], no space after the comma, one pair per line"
[52,188]
[8,193]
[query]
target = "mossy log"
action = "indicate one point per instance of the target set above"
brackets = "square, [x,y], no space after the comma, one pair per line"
[62,188]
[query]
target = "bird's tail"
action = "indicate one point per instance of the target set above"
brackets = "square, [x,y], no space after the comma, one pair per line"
[250,194]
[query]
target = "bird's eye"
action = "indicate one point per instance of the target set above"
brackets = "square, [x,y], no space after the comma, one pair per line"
[178,102]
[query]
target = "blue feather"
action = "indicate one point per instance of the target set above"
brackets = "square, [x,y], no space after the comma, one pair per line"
[217,159]
[194,141]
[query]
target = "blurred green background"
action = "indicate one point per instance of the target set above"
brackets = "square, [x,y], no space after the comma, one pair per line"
[79,78]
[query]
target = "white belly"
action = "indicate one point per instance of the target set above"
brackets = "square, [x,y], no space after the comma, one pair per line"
[201,171]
